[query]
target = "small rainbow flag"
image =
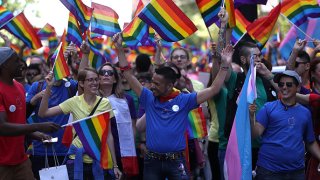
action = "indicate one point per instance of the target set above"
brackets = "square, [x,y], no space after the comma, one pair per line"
[96,59]
[15,48]
[230,9]
[5,15]
[197,126]
[23,30]
[73,32]
[93,133]
[60,67]
[82,12]
[261,29]
[168,20]
[104,20]
[46,32]
[240,28]
[298,11]
[149,50]
[53,42]
[209,10]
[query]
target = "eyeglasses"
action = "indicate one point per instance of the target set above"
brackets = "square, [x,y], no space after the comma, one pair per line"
[297,63]
[90,80]
[106,73]
[288,84]
[181,57]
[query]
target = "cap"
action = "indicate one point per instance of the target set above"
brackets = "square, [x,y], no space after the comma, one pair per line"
[5,54]
[290,73]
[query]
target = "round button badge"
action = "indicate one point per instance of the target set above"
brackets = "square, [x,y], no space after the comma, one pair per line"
[175,108]
[12,108]
[67,84]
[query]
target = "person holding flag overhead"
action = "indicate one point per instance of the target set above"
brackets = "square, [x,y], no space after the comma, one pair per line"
[166,114]
[80,107]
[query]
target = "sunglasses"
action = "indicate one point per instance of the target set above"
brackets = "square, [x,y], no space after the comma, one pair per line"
[288,84]
[181,57]
[106,73]
[297,63]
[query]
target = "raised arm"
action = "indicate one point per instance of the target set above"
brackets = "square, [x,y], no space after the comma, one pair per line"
[316,44]
[298,46]
[217,82]
[302,99]
[125,67]
[157,57]
[44,111]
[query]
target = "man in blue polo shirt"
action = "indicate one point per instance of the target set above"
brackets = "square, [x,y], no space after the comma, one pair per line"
[166,114]
[285,128]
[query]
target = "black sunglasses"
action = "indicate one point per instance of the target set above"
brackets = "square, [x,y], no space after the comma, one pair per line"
[288,84]
[106,72]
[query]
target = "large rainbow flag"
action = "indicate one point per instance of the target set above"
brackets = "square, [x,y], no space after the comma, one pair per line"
[261,29]
[5,15]
[209,10]
[82,12]
[60,67]
[237,163]
[240,29]
[23,30]
[298,11]
[73,32]
[168,20]
[93,133]
[197,126]
[104,20]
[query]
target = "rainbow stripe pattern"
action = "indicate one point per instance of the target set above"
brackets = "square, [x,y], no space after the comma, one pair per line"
[104,20]
[60,68]
[23,30]
[53,42]
[209,10]
[5,15]
[82,12]
[73,32]
[230,9]
[93,134]
[46,32]
[96,59]
[197,126]
[240,28]
[261,29]
[298,11]
[168,20]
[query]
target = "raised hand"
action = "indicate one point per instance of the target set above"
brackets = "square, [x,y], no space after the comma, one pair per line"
[157,40]
[226,55]
[316,44]
[49,79]
[117,40]
[85,48]
[252,108]
[71,49]
[299,45]
[223,16]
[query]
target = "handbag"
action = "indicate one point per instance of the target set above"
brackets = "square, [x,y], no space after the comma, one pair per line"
[57,172]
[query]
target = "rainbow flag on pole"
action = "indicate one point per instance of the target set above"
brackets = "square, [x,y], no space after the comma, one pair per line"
[23,30]
[168,20]
[261,29]
[298,11]
[209,10]
[240,28]
[5,15]
[60,67]
[197,126]
[73,32]
[104,20]
[93,133]
[82,12]
[46,32]
[230,9]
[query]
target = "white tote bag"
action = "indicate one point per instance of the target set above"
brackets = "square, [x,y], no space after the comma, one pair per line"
[51,173]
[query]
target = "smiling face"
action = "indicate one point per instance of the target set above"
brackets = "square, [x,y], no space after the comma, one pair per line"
[180,58]
[287,87]
[90,83]
[159,85]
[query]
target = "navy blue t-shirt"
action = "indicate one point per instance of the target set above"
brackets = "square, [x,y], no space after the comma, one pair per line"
[286,131]
[166,122]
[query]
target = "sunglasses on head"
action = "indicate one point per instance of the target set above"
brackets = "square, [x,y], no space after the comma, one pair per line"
[106,72]
[288,84]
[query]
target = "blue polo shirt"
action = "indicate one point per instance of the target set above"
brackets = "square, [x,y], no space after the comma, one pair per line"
[286,131]
[166,122]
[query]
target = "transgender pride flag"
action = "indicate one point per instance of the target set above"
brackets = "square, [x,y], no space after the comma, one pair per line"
[237,163]
[252,90]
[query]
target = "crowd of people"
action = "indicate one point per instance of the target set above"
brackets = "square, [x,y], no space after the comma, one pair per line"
[149,105]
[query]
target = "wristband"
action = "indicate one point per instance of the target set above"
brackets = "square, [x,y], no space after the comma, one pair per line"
[225,68]
[125,68]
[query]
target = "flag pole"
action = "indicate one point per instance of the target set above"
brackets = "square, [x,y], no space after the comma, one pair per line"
[210,35]
[296,26]
[239,39]
[57,56]
[83,119]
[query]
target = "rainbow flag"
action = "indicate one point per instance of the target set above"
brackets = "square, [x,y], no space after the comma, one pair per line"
[96,59]
[82,12]
[230,9]
[209,10]
[93,133]
[5,15]
[23,30]
[237,163]
[240,28]
[63,39]
[15,48]
[197,126]
[53,42]
[104,20]
[73,32]
[298,11]
[261,29]
[46,32]
[60,67]
[168,20]
[313,24]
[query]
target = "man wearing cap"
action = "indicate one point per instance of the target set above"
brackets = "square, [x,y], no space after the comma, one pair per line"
[14,163]
[285,128]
